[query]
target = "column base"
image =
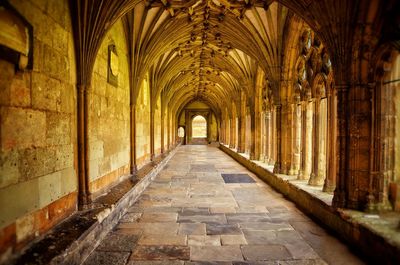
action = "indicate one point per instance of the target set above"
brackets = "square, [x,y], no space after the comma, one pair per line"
[293,172]
[303,175]
[85,202]
[315,180]
[277,168]
[328,188]
[339,199]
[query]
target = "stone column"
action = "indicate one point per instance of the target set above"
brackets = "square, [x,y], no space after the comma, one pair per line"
[232,130]
[340,197]
[84,196]
[330,180]
[169,130]
[315,179]
[278,143]
[272,137]
[151,132]
[162,129]
[266,137]
[208,123]
[252,135]
[302,171]
[133,139]
[241,130]
[295,163]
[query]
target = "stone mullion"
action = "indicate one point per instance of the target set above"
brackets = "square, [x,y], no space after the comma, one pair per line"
[302,170]
[330,180]
[278,143]
[314,177]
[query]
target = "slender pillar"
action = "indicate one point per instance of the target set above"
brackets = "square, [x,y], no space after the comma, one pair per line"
[240,148]
[84,196]
[339,198]
[152,133]
[232,134]
[295,158]
[315,179]
[169,130]
[267,137]
[278,144]
[272,137]
[133,139]
[162,131]
[252,135]
[330,180]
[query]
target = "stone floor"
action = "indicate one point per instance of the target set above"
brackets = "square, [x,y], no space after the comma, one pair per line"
[190,216]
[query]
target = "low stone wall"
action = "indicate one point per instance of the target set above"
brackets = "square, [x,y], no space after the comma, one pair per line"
[107,219]
[91,225]
[374,246]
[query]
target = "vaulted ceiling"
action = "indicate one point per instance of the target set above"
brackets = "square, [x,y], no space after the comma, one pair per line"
[212,50]
[208,50]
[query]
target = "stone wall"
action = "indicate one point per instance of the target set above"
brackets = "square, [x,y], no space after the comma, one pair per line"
[143,125]
[38,180]
[109,110]
[157,128]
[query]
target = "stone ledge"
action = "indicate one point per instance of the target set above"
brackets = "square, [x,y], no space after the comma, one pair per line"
[72,241]
[379,243]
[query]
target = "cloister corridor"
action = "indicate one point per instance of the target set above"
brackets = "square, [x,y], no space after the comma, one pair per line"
[159,132]
[197,211]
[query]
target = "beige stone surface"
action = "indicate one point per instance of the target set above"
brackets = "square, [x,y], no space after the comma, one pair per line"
[233,240]
[263,227]
[162,239]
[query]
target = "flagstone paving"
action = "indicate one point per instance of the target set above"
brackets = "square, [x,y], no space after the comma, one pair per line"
[190,216]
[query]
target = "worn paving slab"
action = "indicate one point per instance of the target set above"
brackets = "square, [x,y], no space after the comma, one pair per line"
[190,216]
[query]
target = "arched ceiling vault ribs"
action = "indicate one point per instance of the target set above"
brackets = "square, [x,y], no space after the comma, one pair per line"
[192,32]
[91,21]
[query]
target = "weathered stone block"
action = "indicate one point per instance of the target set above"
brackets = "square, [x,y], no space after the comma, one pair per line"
[64,156]
[14,202]
[6,76]
[68,98]
[69,181]
[50,188]
[25,227]
[22,128]
[45,92]
[56,64]
[35,162]
[9,171]
[58,128]
[93,169]
[20,95]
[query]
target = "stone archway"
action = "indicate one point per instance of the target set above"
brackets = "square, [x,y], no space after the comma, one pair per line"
[199,127]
